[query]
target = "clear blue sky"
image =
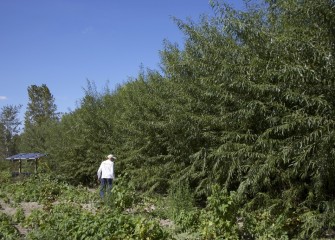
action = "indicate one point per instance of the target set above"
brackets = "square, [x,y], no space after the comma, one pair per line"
[64,43]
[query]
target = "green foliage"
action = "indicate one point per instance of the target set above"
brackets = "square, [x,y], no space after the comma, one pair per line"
[219,219]
[64,213]
[45,188]
[41,106]
[179,206]
[269,223]
[5,175]
[247,103]
[187,221]
[7,230]
[69,221]
[318,223]
[9,130]
[40,114]
[80,141]
[33,190]
[19,215]
[122,195]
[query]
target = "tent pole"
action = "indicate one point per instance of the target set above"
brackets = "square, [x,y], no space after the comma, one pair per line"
[36,165]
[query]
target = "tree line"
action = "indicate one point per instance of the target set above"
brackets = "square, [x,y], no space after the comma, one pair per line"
[247,103]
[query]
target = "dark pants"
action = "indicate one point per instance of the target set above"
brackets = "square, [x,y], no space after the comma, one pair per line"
[105,186]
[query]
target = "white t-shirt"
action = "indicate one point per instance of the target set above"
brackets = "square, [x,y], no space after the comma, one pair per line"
[106,169]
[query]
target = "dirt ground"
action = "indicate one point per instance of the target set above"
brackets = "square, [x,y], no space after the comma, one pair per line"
[28,207]
[10,210]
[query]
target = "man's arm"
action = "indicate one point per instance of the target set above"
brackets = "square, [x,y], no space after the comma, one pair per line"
[99,172]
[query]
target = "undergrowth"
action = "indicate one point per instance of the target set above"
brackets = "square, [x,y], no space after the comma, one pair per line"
[73,212]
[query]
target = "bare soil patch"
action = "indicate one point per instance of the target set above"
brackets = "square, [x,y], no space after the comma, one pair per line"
[10,210]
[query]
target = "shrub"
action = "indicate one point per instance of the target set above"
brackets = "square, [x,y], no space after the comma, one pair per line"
[218,219]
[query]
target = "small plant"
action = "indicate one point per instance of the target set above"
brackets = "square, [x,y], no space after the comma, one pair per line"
[122,195]
[5,177]
[19,215]
[179,206]
[149,229]
[218,219]
[7,230]
[70,221]
[6,199]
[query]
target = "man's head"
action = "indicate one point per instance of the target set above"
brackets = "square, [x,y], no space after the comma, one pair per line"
[111,157]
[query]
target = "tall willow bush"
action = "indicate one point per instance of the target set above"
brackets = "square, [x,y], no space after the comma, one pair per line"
[247,103]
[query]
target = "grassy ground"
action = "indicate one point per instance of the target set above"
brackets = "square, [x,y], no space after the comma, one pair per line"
[39,207]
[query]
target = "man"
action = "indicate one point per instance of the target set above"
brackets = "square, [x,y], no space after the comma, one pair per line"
[106,174]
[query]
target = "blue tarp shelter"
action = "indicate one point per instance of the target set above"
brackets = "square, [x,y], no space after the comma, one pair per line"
[27,157]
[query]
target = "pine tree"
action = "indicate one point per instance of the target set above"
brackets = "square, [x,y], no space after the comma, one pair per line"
[41,109]
[9,130]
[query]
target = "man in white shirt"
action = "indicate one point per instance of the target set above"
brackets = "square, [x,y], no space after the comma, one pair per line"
[106,174]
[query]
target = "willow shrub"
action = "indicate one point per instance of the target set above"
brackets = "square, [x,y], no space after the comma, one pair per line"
[247,103]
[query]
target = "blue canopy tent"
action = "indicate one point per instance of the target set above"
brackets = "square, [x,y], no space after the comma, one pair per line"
[25,156]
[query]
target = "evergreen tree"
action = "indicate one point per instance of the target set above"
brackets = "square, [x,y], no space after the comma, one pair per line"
[40,110]
[9,130]
[41,106]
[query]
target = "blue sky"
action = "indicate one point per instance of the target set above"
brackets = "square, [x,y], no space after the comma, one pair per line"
[64,43]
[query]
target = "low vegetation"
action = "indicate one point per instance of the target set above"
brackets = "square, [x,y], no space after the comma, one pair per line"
[63,211]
